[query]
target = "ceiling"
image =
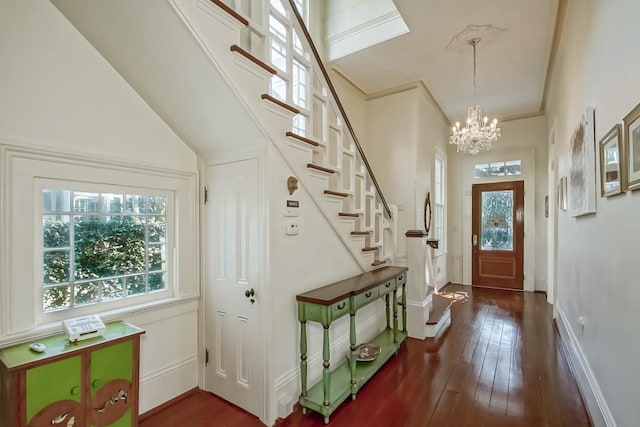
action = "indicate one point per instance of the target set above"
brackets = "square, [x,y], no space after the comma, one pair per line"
[512,57]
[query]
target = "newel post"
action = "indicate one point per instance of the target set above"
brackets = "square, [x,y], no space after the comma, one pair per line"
[420,283]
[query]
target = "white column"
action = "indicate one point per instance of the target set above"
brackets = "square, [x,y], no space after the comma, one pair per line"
[419,279]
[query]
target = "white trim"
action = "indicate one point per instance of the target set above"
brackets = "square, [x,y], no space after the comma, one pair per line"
[578,363]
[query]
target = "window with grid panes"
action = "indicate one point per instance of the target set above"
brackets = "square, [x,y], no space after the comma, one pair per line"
[102,246]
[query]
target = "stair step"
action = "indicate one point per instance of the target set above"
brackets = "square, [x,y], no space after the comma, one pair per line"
[378,262]
[237,49]
[360,233]
[349,214]
[320,168]
[439,308]
[335,193]
[231,12]
[370,248]
[276,101]
[302,138]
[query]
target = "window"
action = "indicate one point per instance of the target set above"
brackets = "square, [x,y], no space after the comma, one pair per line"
[508,168]
[439,203]
[101,246]
[287,53]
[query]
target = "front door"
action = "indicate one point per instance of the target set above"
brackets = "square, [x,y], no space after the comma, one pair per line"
[233,334]
[498,235]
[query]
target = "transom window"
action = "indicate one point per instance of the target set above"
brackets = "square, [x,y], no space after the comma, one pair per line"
[101,246]
[510,167]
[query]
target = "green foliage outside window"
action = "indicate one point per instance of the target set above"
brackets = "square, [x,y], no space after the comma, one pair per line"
[104,257]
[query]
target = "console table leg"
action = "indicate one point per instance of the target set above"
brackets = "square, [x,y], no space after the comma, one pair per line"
[404,308]
[326,379]
[352,360]
[386,300]
[395,317]
[303,359]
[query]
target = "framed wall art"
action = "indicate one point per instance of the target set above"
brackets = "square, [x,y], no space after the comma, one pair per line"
[632,148]
[611,164]
[562,193]
[582,179]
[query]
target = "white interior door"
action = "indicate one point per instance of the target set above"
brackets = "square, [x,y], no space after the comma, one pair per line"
[232,293]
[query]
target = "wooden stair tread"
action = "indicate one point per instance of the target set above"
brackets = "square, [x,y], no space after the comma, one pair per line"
[360,233]
[320,168]
[231,12]
[302,138]
[276,101]
[335,193]
[237,49]
[349,214]
[378,262]
[370,248]
[439,307]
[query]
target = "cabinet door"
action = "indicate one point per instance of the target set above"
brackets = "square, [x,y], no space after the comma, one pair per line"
[53,392]
[111,382]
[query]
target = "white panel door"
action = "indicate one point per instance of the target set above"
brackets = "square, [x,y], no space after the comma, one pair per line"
[233,336]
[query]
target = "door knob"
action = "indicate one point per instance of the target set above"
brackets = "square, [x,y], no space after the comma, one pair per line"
[250,293]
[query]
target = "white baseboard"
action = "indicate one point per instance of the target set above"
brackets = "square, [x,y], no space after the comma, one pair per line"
[432,330]
[591,394]
[164,384]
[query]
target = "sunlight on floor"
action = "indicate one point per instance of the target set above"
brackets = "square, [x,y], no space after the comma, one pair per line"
[457,296]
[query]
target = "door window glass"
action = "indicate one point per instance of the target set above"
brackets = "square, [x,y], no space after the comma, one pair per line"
[497,220]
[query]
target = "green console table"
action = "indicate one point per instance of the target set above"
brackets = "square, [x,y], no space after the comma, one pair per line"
[329,303]
[92,383]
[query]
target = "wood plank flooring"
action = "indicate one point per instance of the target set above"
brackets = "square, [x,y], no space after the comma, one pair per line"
[500,364]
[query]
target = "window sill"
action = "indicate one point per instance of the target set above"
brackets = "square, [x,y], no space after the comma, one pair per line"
[143,310]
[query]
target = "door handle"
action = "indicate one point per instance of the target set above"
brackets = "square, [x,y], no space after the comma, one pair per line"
[250,293]
[475,240]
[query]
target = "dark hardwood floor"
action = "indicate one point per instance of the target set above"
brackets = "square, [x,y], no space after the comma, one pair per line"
[500,363]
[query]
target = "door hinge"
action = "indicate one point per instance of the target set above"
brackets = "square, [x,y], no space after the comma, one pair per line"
[206,195]
[206,356]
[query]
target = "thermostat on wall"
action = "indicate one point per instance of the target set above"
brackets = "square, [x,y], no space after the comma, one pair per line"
[292,208]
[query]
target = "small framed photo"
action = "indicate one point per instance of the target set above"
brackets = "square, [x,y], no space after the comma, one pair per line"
[611,165]
[562,193]
[632,148]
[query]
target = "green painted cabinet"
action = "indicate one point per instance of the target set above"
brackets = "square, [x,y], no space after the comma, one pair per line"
[92,383]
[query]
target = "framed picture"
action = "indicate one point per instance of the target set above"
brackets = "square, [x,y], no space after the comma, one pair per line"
[632,148]
[562,193]
[611,165]
[582,178]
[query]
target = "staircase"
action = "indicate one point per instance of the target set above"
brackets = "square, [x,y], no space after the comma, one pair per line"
[295,104]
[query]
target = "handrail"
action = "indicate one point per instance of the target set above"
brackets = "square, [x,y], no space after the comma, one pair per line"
[339,104]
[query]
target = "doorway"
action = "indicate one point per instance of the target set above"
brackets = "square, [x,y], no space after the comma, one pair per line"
[497,246]
[233,331]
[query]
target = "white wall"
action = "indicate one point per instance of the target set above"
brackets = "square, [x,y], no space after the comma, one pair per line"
[598,266]
[520,138]
[313,258]
[60,95]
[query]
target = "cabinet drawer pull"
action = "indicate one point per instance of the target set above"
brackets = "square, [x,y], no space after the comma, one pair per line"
[399,277]
[367,295]
[341,305]
[387,285]
[59,419]
[75,391]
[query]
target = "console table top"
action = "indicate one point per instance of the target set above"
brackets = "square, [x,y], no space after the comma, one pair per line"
[334,292]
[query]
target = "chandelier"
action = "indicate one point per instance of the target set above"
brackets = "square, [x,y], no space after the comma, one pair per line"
[478,134]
